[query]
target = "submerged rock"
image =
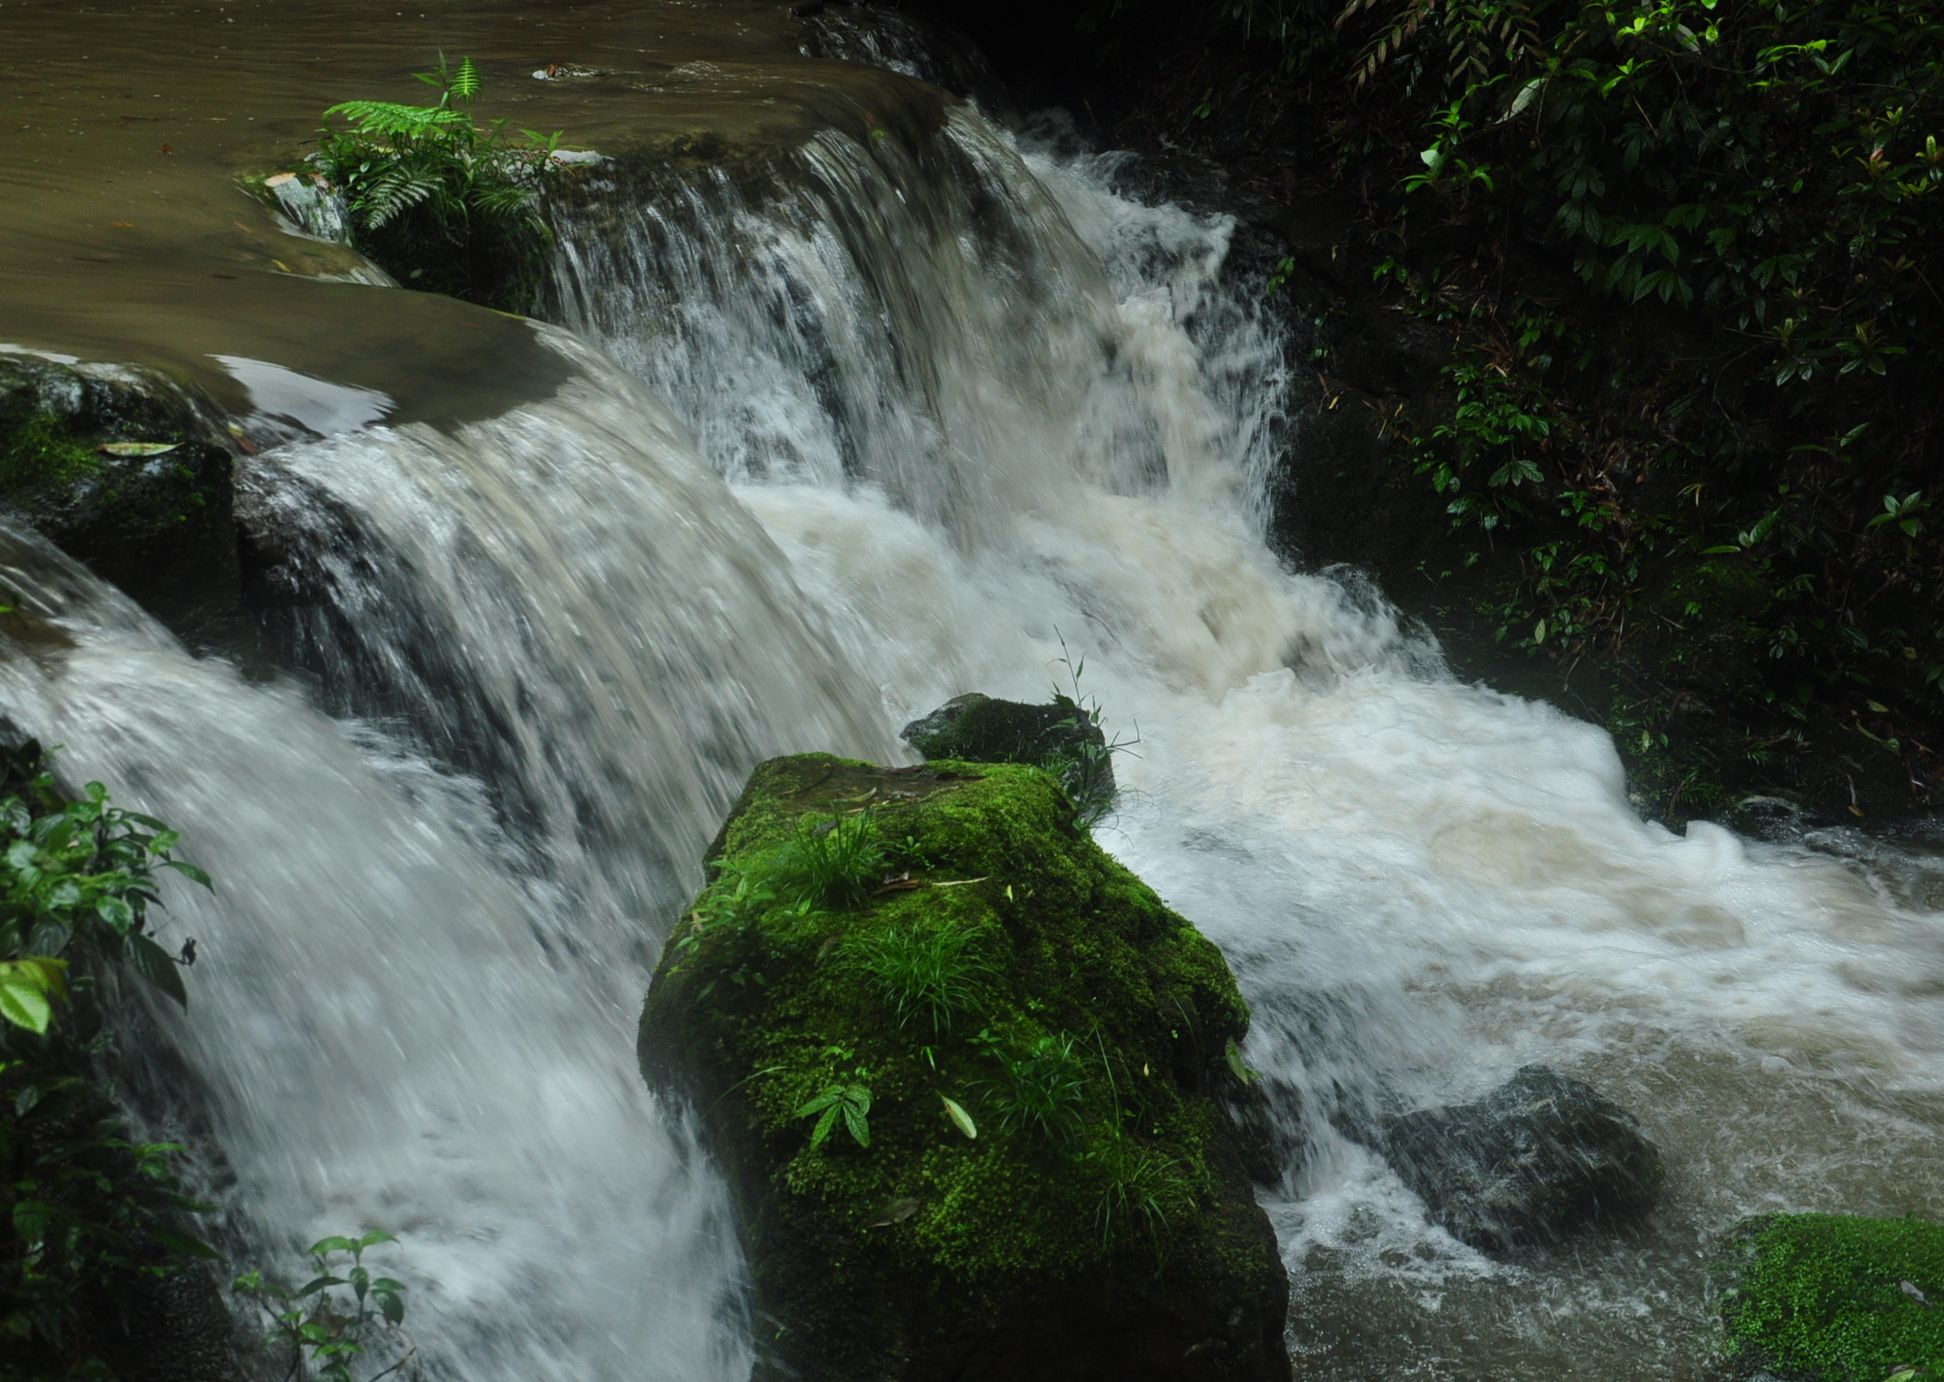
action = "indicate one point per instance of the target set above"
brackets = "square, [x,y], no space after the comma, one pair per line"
[965,1072]
[1538,1158]
[1833,1297]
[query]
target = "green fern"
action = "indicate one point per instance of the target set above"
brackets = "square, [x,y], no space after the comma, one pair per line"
[465,82]
[440,200]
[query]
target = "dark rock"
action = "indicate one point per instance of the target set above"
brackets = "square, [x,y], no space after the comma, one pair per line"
[1061,736]
[1538,1158]
[161,526]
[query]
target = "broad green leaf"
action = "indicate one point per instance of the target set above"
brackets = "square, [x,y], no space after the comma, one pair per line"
[31,1219]
[391,1307]
[156,965]
[23,997]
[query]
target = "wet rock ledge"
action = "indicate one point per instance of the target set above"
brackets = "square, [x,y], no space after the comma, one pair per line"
[966,1075]
[124,472]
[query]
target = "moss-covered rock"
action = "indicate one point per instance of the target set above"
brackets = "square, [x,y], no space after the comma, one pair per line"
[879,941]
[1834,1298]
[160,524]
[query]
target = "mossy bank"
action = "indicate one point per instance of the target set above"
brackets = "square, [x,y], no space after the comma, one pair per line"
[1032,1175]
[1834,1298]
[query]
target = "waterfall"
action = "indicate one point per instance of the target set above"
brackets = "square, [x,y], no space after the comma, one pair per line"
[846,429]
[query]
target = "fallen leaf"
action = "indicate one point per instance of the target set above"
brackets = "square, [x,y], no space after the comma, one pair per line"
[139,448]
[896,1212]
[122,225]
[168,148]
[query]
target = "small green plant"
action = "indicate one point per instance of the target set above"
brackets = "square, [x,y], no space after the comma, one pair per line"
[834,862]
[441,201]
[79,879]
[850,1102]
[1042,1087]
[327,1323]
[1084,762]
[85,1211]
[1143,1191]
[936,969]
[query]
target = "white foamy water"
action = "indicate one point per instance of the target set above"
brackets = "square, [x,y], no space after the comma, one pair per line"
[908,417]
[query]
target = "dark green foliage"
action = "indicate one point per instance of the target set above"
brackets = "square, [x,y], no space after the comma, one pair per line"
[441,202]
[84,1210]
[1688,256]
[1041,1087]
[1835,1298]
[327,1324]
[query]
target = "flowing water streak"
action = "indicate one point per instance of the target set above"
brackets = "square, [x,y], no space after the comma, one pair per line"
[1006,405]
[417,990]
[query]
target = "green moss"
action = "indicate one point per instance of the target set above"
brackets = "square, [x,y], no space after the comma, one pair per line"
[756,1009]
[1835,1298]
[39,453]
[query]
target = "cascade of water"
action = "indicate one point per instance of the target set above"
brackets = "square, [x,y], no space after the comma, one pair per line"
[971,400]
[417,988]
[1013,410]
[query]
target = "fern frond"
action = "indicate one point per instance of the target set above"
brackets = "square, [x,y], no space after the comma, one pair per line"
[392,194]
[465,82]
[389,119]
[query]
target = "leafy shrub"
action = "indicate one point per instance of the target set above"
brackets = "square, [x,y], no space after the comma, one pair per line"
[85,1211]
[78,879]
[933,969]
[851,1102]
[440,201]
[325,1323]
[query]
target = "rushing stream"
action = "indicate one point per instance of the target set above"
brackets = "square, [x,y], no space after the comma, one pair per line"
[905,404]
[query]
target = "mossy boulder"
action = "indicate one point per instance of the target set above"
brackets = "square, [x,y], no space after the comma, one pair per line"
[123,472]
[979,948]
[1834,1298]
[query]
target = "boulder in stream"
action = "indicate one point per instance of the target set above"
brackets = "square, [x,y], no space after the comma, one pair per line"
[1538,1158]
[1833,1298]
[1062,736]
[966,1074]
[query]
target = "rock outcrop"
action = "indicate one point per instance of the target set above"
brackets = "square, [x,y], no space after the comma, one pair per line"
[1062,736]
[965,1072]
[119,470]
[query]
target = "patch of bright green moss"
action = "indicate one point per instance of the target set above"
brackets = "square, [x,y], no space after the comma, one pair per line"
[1837,1298]
[759,1012]
[40,453]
